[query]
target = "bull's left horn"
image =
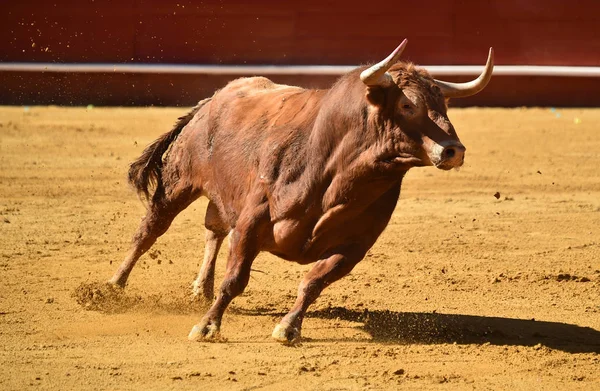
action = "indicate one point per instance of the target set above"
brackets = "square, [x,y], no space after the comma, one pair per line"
[377,74]
[461,90]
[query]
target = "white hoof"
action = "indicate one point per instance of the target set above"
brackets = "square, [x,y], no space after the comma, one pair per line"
[286,334]
[204,331]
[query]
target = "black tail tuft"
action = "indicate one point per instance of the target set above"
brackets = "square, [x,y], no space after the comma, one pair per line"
[145,173]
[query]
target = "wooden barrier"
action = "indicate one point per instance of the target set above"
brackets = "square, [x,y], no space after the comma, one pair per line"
[452,32]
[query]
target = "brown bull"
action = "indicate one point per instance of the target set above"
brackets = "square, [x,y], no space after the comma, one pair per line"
[307,175]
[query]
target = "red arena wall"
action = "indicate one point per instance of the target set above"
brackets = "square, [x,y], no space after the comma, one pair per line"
[309,32]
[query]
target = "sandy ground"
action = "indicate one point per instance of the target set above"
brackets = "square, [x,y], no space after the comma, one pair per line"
[486,278]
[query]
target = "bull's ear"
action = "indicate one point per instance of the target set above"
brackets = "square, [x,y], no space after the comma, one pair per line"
[376,96]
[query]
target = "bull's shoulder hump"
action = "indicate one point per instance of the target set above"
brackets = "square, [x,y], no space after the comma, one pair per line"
[258,84]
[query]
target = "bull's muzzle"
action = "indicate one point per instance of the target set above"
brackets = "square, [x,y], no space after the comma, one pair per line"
[447,155]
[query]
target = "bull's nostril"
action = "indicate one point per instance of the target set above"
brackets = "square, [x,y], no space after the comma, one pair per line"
[449,153]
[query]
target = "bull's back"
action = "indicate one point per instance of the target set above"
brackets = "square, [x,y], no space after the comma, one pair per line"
[258,103]
[249,127]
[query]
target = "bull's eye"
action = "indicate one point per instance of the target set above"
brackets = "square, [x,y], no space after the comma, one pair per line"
[406,106]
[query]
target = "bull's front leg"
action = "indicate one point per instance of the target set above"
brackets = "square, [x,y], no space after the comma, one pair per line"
[324,273]
[244,242]
[235,281]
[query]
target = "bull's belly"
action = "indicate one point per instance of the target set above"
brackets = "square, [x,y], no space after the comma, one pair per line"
[298,241]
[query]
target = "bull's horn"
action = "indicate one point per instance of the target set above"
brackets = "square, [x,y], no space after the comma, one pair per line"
[377,74]
[461,90]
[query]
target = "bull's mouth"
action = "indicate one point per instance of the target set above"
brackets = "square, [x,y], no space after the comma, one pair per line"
[448,164]
[445,167]
[407,160]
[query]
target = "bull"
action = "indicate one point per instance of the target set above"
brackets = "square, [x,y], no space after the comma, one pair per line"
[307,175]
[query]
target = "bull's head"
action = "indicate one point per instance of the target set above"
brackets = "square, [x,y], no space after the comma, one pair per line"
[412,108]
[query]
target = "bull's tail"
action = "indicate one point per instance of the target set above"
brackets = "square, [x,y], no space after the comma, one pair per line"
[145,173]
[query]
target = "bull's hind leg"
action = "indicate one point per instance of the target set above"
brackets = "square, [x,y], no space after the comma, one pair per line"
[158,219]
[203,285]
[216,230]
[324,273]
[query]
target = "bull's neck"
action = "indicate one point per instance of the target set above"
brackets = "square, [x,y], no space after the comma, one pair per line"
[336,158]
[340,133]
[343,151]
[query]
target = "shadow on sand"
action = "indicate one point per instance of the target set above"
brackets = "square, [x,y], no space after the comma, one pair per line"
[434,328]
[383,326]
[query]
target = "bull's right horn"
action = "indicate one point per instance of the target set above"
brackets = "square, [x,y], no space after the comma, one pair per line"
[461,90]
[377,74]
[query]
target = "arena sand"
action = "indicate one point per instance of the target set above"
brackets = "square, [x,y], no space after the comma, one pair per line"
[486,278]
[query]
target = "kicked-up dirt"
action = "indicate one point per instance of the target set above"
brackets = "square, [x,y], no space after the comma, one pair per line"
[486,278]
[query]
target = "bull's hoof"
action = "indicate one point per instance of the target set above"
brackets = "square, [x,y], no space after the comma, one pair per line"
[286,333]
[116,282]
[203,331]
